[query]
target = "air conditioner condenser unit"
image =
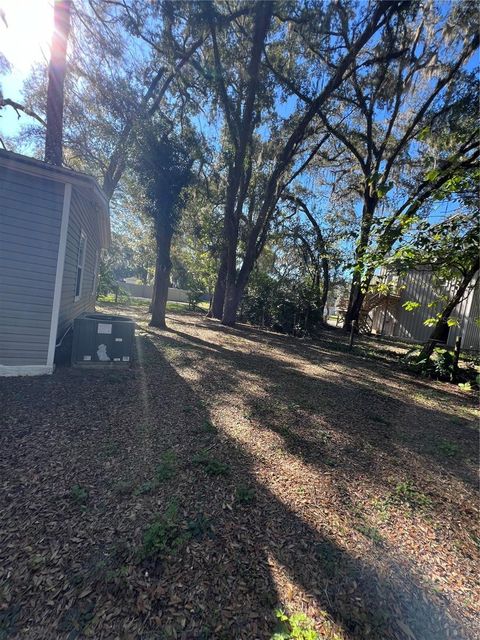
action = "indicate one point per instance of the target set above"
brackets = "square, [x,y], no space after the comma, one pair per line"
[100,339]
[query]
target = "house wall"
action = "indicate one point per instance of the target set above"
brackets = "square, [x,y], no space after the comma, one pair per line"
[30,219]
[83,216]
[418,286]
[468,313]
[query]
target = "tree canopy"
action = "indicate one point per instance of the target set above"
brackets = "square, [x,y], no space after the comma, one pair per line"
[330,139]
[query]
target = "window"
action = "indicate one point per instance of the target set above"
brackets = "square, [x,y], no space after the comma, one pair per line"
[82,249]
[95,273]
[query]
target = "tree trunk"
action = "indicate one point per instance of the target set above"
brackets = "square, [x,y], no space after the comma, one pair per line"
[235,289]
[162,279]
[439,328]
[325,288]
[216,307]
[56,82]
[357,297]
[233,296]
[283,161]
[357,291]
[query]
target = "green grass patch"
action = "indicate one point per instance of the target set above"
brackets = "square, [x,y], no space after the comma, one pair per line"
[166,470]
[124,299]
[211,466]
[448,449]
[145,488]
[369,532]
[244,494]
[406,494]
[79,495]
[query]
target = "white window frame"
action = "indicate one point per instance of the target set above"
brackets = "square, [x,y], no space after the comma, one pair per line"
[80,265]
[95,272]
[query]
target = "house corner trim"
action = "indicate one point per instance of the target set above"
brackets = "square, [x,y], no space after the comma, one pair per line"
[67,196]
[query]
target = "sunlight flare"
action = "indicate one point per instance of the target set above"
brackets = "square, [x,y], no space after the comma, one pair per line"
[25,32]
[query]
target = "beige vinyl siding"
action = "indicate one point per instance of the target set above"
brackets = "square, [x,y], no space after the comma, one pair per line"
[30,218]
[83,217]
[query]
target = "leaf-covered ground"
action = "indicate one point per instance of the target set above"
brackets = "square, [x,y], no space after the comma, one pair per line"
[229,473]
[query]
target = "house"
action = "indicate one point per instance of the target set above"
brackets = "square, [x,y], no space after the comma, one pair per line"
[53,225]
[389,317]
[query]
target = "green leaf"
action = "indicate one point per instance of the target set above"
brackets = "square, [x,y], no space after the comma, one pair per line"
[453,322]
[383,189]
[423,135]
[281,615]
[410,305]
[432,175]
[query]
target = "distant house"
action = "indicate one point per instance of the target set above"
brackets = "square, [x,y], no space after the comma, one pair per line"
[389,317]
[53,224]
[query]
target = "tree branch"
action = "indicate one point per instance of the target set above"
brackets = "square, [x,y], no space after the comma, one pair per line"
[6,102]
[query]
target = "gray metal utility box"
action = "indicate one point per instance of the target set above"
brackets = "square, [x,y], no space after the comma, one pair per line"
[100,339]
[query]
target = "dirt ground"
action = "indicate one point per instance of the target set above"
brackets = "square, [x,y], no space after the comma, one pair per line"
[229,473]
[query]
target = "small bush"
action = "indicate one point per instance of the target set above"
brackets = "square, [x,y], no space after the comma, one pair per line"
[146,487]
[370,532]
[79,494]
[123,488]
[208,427]
[194,297]
[211,466]
[448,449]
[164,535]
[244,494]
[439,366]
[166,468]
[199,527]
[406,494]
[298,626]
[443,364]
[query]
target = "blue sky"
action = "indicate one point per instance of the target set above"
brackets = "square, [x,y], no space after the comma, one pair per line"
[24,41]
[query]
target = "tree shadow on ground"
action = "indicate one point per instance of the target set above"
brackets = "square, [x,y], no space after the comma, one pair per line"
[332,344]
[225,564]
[249,539]
[369,416]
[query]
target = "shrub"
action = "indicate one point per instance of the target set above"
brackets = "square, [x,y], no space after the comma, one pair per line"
[164,534]
[79,494]
[449,449]
[406,494]
[199,527]
[166,468]
[298,626]
[194,297]
[244,494]
[146,487]
[439,366]
[211,466]
[443,364]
